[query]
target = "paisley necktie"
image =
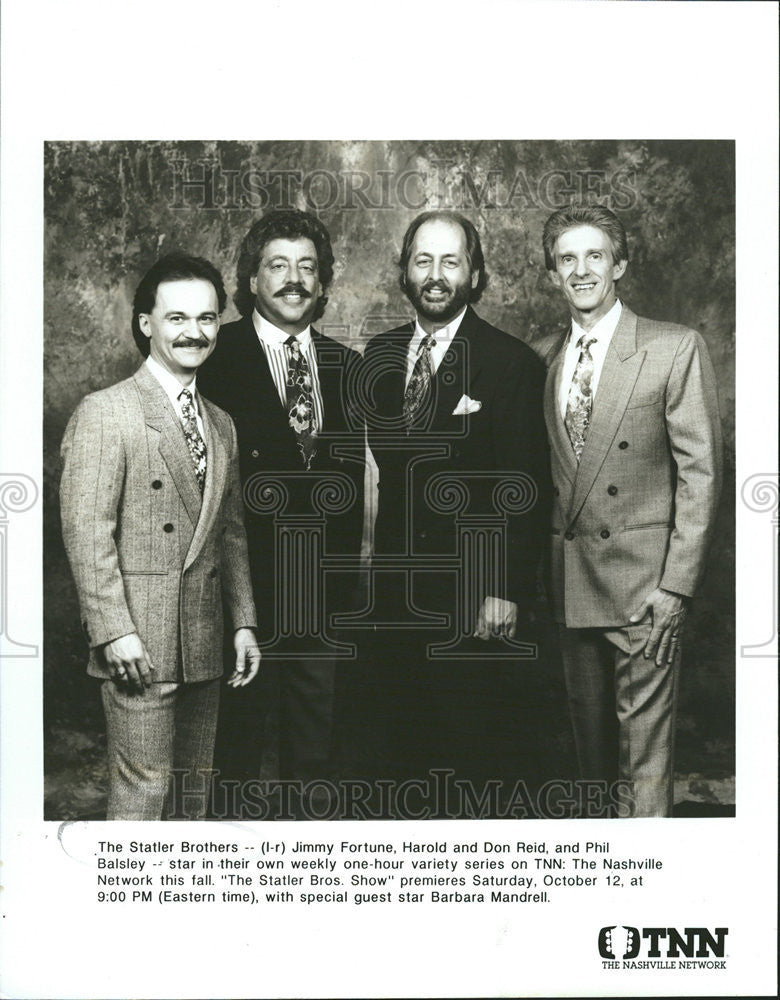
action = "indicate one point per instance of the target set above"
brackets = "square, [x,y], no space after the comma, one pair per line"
[580,401]
[420,382]
[195,442]
[300,401]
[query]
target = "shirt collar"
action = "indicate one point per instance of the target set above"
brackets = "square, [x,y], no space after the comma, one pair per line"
[170,384]
[603,330]
[274,337]
[442,337]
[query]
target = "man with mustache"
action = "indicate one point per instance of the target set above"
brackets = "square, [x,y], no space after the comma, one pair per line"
[456,429]
[632,414]
[152,524]
[288,389]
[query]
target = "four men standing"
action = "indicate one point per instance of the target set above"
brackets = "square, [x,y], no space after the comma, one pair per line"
[456,424]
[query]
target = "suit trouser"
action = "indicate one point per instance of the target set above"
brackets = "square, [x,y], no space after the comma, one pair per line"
[623,710]
[302,691]
[168,728]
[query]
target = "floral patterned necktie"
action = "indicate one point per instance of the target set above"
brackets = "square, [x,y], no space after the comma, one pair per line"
[420,382]
[195,442]
[580,402]
[300,401]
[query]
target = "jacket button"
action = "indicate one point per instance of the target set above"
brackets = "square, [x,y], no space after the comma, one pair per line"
[168,527]
[157,484]
[255,453]
[604,533]
[612,490]
[556,491]
[213,572]
[569,535]
[623,445]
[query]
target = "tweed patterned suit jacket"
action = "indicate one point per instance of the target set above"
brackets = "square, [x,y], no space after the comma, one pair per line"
[637,512]
[148,553]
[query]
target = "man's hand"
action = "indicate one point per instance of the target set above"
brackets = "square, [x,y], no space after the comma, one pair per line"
[129,662]
[247,657]
[669,612]
[496,618]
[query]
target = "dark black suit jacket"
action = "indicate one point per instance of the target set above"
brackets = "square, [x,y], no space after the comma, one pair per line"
[492,462]
[237,377]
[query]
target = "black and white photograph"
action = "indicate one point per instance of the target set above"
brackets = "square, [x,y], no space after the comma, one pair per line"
[451,593]
[388,499]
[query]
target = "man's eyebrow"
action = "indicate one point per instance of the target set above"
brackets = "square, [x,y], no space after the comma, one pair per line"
[181,312]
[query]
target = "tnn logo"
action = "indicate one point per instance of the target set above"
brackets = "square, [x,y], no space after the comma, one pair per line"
[696,942]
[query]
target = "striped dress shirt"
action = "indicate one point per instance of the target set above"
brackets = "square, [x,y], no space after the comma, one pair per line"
[272,341]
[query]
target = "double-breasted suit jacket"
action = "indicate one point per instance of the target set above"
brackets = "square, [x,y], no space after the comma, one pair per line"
[238,378]
[148,553]
[637,512]
[496,436]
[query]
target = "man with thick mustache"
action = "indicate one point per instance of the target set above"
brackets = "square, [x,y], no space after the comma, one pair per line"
[632,414]
[455,418]
[152,524]
[288,389]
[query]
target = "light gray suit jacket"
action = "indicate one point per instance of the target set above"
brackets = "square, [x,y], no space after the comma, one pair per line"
[148,553]
[637,511]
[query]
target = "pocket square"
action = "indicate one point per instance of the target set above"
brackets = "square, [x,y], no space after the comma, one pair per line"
[466,405]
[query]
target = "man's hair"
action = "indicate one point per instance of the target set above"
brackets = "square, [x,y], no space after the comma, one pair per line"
[584,215]
[172,267]
[282,224]
[473,248]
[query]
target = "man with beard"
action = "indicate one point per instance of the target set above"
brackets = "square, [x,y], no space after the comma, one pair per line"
[288,389]
[457,432]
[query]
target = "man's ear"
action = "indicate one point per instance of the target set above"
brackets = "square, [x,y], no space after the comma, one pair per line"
[619,269]
[555,278]
[253,284]
[144,325]
[474,279]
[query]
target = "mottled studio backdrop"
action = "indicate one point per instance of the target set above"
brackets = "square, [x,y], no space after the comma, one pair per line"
[112,208]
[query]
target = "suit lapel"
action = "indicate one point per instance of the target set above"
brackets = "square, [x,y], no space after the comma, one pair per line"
[159,415]
[329,378]
[457,369]
[391,386]
[216,473]
[556,429]
[618,377]
[260,386]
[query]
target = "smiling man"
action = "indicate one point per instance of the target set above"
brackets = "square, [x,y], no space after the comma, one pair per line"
[632,416]
[455,412]
[288,388]
[152,524]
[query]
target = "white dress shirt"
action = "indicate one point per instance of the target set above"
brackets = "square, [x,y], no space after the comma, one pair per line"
[172,388]
[603,331]
[443,340]
[272,340]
